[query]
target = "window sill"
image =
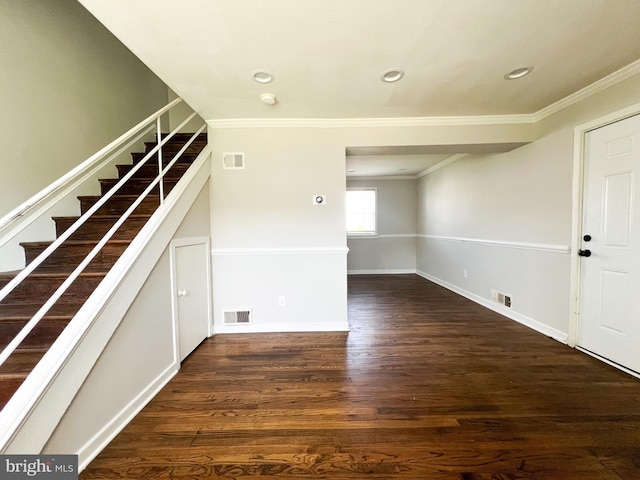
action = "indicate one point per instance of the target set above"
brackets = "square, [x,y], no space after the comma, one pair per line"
[362,235]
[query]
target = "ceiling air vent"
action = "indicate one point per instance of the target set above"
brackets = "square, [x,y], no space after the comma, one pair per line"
[233,161]
[237,317]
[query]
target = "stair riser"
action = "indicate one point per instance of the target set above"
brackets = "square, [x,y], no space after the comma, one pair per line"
[44,287]
[95,230]
[186,158]
[67,257]
[43,335]
[175,146]
[185,136]
[8,385]
[151,171]
[135,187]
[117,206]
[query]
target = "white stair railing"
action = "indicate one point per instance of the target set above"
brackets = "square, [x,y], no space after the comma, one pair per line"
[20,218]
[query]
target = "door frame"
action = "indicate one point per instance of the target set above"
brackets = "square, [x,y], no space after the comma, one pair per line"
[579,134]
[185,242]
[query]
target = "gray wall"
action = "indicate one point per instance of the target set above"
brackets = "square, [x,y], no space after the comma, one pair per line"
[393,249]
[270,241]
[485,222]
[507,218]
[68,87]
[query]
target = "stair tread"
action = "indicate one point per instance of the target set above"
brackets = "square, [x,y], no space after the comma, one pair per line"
[19,377]
[126,196]
[20,312]
[177,164]
[136,179]
[43,335]
[50,319]
[138,216]
[186,135]
[74,243]
[10,275]
[65,270]
[21,362]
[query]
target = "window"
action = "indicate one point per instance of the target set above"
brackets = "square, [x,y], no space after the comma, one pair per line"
[361,211]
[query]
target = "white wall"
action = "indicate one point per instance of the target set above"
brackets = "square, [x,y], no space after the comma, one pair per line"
[68,87]
[268,238]
[393,249]
[178,114]
[506,219]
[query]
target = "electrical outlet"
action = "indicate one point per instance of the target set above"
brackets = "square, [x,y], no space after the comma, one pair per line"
[465,273]
[282,302]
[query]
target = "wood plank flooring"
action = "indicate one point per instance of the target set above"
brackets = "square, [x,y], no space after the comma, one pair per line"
[427,385]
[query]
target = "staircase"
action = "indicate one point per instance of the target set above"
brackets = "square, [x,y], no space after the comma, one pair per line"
[21,304]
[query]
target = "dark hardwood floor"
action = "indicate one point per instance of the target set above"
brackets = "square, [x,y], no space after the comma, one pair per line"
[427,385]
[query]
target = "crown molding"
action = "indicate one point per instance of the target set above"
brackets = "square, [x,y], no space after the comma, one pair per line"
[368,122]
[368,178]
[588,91]
[443,163]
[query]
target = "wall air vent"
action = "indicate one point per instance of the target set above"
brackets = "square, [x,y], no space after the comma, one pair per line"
[501,298]
[237,317]
[233,160]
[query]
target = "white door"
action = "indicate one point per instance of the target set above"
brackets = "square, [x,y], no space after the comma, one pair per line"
[192,293]
[609,322]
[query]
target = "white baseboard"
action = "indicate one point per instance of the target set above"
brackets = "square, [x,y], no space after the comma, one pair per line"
[282,328]
[633,373]
[391,271]
[100,440]
[536,325]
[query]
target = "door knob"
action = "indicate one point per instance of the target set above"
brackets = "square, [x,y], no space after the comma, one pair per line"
[587,238]
[182,293]
[584,253]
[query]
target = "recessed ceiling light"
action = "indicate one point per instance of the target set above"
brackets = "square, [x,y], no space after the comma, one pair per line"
[351,170]
[392,75]
[518,73]
[262,76]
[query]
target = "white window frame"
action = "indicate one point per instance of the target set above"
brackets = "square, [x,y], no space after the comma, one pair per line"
[375,230]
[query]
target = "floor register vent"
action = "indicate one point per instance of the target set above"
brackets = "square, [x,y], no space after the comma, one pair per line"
[237,317]
[501,298]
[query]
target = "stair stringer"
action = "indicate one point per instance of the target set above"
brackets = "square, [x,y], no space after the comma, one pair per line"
[31,416]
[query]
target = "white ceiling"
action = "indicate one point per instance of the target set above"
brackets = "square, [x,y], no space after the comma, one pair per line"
[411,160]
[327,55]
[391,165]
